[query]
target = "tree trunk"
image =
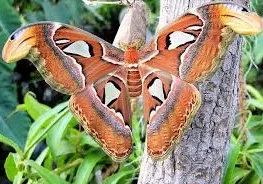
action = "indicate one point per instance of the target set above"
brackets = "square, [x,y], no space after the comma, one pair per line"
[200,156]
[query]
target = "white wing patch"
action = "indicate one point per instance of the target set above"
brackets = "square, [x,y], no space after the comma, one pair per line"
[156,89]
[62,41]
[179,38]
[111,93]
[194,28]
[79,48]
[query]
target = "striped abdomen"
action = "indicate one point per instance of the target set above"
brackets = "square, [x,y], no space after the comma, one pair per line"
[134,82]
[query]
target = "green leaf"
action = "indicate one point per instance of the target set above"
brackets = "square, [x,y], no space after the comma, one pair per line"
[38,124]
[9,141]
[54,137]
[258,49]
[257,133]
[255,148]
[48,176]
[232,159]
[43,124]
[238,174]
[11,166]
[76,10]
[255,120]
[136,132]
[257,163]
[63,148]
[254,92]
[55,12]
[33,107]
[115,178]
[88,140]
[35,16]
[19,122]
[9,18]
[251,139]
[251,178]
[40,159]
[48,162]
[256,103]
[18,178]
[86,167]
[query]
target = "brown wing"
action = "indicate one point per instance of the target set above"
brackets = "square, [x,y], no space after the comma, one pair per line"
[169,105]
[193,46]
[91,70]
[66,57]
[103,110]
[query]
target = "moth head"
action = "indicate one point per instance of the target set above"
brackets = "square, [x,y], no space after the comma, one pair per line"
[19,44]
[240,20]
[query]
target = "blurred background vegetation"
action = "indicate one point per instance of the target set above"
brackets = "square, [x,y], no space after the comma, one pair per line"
[42,142]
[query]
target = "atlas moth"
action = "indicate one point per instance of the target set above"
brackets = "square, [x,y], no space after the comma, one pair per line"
[102,79]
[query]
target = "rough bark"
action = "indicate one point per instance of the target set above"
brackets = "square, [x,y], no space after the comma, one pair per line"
[201,154]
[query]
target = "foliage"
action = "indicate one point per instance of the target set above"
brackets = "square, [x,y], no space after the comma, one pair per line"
[253,53]
[245,157]
[9,126]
